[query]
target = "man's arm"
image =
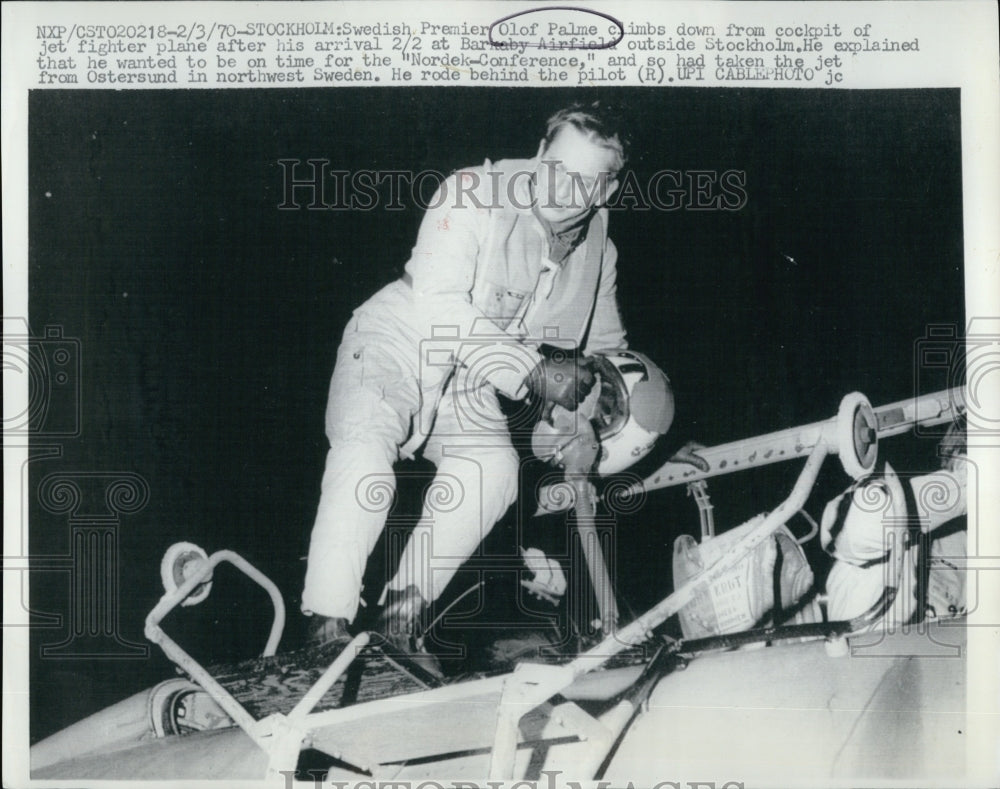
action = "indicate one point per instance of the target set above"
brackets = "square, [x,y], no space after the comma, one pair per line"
[606,329]
[442,269]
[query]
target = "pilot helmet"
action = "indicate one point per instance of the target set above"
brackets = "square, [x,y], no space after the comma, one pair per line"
[631,408]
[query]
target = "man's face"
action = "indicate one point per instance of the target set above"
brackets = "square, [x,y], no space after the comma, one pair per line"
[575,173]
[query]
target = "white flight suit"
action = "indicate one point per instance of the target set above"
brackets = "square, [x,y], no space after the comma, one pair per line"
[420,363]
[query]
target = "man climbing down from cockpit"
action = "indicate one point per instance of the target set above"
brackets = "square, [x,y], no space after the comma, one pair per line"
[510,255]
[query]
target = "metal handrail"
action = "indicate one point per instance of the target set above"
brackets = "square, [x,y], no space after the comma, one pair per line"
[171,599]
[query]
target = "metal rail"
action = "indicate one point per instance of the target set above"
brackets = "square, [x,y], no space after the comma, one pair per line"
[171,600]
[789,444]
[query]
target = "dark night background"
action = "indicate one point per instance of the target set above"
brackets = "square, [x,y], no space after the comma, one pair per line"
[208,319]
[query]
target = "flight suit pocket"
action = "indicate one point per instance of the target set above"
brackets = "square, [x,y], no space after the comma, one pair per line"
[371,392]
[504,303]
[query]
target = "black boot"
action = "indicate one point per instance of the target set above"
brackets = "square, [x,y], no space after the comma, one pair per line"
[400,626]
[325,630]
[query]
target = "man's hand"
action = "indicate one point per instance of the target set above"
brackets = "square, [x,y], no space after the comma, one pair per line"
[689,454]
[563,380]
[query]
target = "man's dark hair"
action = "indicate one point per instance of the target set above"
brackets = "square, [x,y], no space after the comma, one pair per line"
[597,120]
